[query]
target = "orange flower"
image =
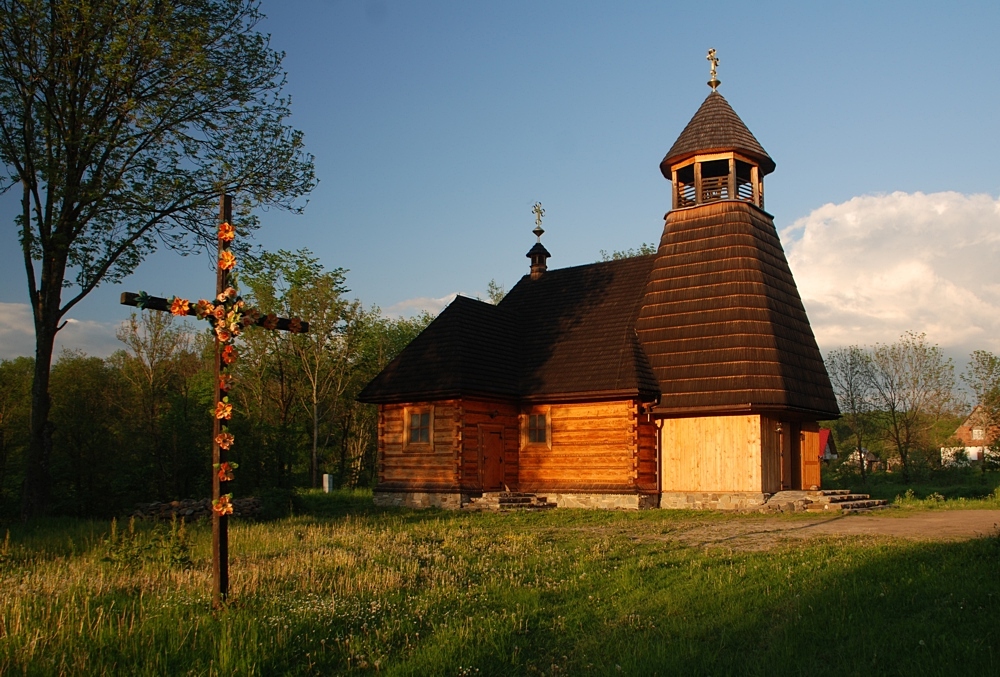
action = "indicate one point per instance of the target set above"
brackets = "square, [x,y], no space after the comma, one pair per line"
[295,325]
[229,354]
[224,440]
[226,232]
[222,334]
[225,382]
[227,261]
[270,321]
[250,317]
[223,411]
[223,505]
[203,309]
[226,471]
[219,312]
[229,293]
[179,306]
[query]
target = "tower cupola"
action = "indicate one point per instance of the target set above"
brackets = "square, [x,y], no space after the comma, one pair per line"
[716,157]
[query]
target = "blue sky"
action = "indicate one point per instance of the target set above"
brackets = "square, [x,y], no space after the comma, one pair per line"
[436,126]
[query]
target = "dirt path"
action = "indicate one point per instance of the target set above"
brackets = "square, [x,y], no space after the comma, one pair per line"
[944,525]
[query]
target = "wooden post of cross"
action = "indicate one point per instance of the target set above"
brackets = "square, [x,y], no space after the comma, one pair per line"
[224,354]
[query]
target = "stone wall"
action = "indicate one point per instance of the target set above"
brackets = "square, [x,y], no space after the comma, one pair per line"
[603,501]
[417,499]
[705,500]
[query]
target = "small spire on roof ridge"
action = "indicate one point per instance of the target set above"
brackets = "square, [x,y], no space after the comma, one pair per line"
[539,213]
[714,82]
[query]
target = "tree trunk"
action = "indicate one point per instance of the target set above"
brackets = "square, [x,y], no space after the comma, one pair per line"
[36,475]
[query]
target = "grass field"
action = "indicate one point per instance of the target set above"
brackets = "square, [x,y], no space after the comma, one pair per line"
[350,589]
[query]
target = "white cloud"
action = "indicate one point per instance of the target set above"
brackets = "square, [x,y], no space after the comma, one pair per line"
[878,265]
[17,334]
[411,307]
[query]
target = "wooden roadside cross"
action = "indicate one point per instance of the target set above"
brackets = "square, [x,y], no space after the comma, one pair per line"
[229,316]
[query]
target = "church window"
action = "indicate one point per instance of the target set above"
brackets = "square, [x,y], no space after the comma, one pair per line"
[536,429]
[419,423]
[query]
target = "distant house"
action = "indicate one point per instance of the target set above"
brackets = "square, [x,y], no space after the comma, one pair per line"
[976,435]
[827,447]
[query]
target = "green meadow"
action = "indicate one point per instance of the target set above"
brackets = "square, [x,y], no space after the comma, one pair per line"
[341,587]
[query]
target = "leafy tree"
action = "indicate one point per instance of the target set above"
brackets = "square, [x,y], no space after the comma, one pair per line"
[122,121]
[15,392]
[913,386]
[495,292]
[645,249]
[982,376]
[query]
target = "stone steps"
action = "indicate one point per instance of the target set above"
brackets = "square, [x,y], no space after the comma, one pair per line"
[508,500]
[842,501]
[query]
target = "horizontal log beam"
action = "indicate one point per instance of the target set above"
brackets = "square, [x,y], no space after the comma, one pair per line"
[159,303]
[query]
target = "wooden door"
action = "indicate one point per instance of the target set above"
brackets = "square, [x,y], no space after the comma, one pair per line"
[491,466]
[795,443]
[785,445]
[810,455]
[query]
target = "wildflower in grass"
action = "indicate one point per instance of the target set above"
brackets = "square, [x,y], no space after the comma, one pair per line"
[224,440]
[227,233]
[227,261]
[229,354]
[179,306]
[223,505]
[223,411]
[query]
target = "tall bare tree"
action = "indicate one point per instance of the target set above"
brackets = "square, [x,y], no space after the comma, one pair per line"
[850,374]
[122,121]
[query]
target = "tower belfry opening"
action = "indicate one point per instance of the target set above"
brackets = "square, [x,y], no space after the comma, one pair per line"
[716,157]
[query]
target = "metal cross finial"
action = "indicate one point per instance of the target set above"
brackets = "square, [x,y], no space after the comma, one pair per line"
[714,82]
[539,213]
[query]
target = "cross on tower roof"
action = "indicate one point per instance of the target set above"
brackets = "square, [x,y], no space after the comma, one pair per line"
[714,82]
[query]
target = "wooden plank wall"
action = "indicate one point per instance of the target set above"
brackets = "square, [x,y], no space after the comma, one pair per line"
[432,468]
[476,412]
[711,453]
[594,448]
[770,455]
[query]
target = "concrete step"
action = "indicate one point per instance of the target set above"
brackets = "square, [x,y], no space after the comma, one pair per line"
[847,506]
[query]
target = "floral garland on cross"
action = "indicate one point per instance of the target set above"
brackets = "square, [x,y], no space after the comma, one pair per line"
[229,315]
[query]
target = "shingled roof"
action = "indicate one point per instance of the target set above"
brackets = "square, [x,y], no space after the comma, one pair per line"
[715,128]
[722,323]
[568,335]
[469,349]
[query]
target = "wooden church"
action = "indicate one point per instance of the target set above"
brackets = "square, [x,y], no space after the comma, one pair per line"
[689,378]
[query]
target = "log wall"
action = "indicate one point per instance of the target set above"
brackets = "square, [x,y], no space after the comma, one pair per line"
[420,467]
[481,412]
[712,453]
[594,447]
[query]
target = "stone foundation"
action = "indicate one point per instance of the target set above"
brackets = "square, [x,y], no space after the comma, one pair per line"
[417,499]
[712,500]
[603,501]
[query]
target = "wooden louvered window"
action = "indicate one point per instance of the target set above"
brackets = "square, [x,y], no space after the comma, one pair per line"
[419,427]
